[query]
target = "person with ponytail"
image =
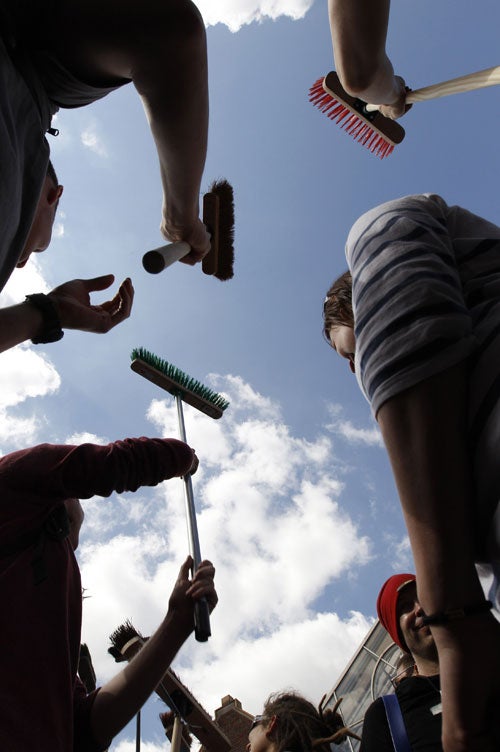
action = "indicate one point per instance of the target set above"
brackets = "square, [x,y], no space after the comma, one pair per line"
[290,723]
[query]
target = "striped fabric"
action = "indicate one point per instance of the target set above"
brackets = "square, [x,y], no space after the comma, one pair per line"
[426,295]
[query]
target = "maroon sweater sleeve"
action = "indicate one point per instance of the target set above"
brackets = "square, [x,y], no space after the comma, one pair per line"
[61,472]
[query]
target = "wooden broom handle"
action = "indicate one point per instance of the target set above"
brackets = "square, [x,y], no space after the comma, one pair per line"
[479,80]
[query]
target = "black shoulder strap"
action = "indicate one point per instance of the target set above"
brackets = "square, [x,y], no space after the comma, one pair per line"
[396,723]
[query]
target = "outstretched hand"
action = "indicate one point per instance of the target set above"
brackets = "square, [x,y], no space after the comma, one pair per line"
[186,591]
[72,300]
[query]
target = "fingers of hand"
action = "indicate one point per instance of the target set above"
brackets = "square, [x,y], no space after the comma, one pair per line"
[118,309]
[203,581]
[194,465]
[196,235]
[185,570]
[98,283]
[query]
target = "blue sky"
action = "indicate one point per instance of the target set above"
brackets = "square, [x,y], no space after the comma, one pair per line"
[297,505]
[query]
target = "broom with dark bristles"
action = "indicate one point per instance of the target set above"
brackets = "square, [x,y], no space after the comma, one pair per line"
[184,388]
[218,218]
[365,123]
[126,642]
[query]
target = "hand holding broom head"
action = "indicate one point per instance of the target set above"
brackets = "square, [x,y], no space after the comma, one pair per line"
[371,129]
[218,218]
[364,121]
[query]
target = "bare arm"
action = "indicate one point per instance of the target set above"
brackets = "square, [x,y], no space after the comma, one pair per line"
[21,322]
[424,430]
[359,32]
[161,46]
[119,700]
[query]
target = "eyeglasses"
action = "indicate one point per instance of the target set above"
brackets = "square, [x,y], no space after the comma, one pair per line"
[257,719]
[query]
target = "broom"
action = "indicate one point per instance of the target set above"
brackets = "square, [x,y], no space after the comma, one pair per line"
[184,388]
[218,218]
[367,125]
[126,642]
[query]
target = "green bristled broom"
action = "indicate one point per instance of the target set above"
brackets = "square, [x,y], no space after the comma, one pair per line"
[184,388]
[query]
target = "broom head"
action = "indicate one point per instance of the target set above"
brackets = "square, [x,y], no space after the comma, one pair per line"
[218,218]
[173,380]
[371,129]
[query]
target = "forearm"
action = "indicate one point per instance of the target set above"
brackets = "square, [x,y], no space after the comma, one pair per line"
[173,84]
[17,324]
[359,31]
[63,472]
[425,432]
[121,698]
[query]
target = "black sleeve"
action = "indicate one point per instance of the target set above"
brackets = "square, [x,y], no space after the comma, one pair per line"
[376,736]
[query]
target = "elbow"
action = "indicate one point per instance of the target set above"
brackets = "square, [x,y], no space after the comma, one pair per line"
[357,80]
[190,24]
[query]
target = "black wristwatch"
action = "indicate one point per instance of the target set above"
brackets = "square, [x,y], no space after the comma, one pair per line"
[51,326]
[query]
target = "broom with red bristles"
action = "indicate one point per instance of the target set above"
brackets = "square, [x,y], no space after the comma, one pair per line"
[365,123]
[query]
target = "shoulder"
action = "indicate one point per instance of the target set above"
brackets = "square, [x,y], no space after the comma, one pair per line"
[376,735]
[385,219]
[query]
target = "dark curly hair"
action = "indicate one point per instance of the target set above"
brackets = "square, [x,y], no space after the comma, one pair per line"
[300,727]
[337,308]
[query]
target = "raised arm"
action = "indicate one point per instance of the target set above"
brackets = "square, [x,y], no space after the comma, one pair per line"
[160,45]
[59,472]
[119,700]
[359,32]
[425,432]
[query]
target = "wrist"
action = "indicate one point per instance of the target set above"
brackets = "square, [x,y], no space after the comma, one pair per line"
[49,329]
[177,222]
[180,624]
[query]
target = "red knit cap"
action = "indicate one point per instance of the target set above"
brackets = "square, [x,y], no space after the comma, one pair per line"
[387,606]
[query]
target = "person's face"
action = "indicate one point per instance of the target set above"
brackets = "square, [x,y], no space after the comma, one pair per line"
[258,739]
[75,517]
[40,232]
[343,342]
[417,637]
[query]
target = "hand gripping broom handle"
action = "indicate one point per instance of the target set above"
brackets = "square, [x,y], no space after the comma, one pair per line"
[201,612]
[479,80]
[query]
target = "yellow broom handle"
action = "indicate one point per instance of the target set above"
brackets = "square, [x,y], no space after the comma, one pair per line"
[479,80]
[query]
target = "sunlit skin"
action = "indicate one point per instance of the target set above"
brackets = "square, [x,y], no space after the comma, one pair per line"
[343,342]
[417,636]
[259,737]
[40,234]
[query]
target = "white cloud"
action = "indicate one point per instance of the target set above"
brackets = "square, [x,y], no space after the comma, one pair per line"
[352,434]
[23,374]
[92,140]
[84,437]
[304,655]
[269,516]
[24,371]
[58,231]
[236,13]
[22,282]
[402,558]
[130,746]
